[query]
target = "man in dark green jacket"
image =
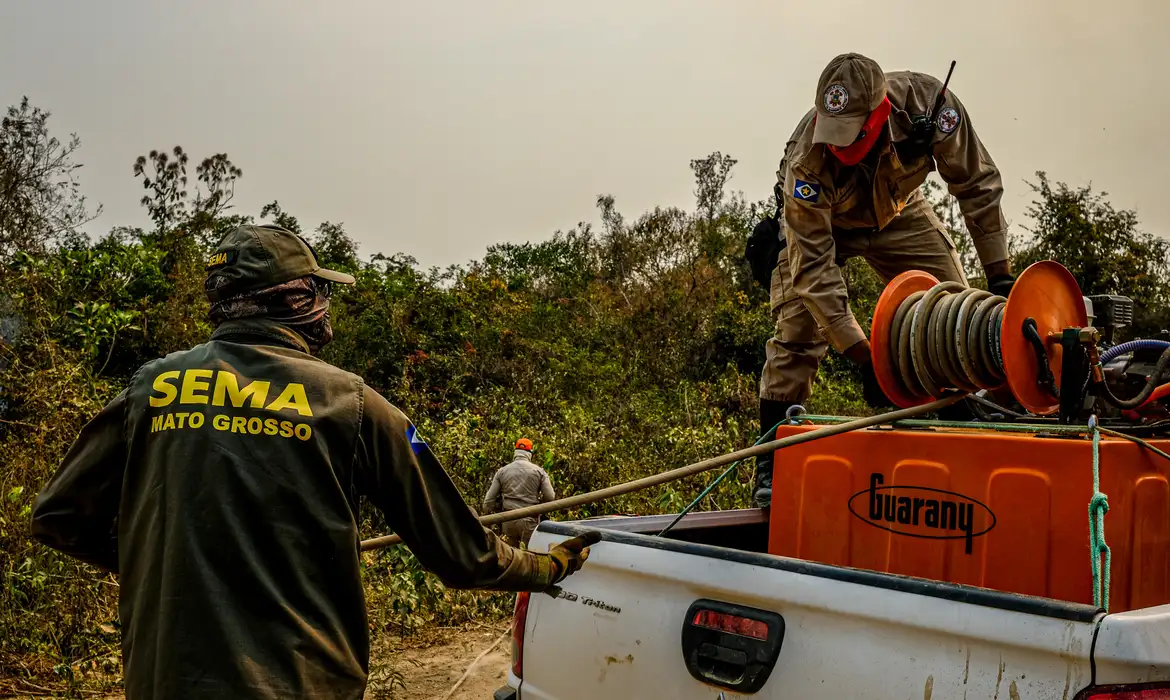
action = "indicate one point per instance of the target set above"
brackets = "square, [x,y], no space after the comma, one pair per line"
[222,487]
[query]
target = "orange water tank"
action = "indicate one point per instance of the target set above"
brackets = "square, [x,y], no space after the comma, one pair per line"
[1002,511]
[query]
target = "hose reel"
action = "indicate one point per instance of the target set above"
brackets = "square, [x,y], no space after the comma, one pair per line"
[930,336]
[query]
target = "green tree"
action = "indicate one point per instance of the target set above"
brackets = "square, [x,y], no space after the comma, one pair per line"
[335,248]
[191,220]
[1101,246]
[40,200]
[280,217]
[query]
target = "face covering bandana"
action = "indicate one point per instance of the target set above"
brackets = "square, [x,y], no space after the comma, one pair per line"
[866,138]
[300,304]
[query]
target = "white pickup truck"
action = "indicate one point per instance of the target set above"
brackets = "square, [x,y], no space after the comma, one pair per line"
[706,613]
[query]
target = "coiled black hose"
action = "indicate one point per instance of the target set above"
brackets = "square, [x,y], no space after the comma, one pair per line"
[948,337]
[1151,384]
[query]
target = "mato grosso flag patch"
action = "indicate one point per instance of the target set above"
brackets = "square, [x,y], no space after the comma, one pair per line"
[806,191]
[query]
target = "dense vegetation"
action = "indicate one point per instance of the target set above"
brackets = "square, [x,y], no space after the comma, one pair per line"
[622,350]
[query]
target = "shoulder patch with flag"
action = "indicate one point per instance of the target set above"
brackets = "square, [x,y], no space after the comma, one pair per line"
[416,442]
[806,191]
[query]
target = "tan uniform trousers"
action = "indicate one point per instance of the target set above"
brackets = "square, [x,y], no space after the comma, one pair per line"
[914,240]
[518,532]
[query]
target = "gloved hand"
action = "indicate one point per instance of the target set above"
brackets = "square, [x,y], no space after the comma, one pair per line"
[568,556]
[871,391]
[1001,285]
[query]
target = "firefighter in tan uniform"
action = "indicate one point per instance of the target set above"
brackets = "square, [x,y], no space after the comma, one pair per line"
[519,484]
[848,186]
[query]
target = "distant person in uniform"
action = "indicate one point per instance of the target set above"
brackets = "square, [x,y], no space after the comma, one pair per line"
[849,186]
[222,487]
[518,484]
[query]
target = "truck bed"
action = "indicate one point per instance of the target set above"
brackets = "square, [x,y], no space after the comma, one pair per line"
[635,623]
[742,536]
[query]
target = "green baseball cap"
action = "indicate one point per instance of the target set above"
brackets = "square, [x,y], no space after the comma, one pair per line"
[262,255]
[851,87]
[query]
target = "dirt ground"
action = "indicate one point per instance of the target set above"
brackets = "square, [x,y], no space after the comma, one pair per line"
[430,665]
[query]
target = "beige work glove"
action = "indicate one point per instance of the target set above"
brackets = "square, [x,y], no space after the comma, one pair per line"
[568,556]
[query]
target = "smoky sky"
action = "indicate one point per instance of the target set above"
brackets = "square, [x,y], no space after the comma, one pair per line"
[438,129]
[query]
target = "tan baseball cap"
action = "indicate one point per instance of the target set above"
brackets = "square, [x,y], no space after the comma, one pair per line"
[851,87]
[262,255]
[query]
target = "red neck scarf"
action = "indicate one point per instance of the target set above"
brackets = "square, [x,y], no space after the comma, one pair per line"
[866,138]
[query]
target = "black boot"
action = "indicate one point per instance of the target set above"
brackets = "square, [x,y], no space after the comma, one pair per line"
[771,413]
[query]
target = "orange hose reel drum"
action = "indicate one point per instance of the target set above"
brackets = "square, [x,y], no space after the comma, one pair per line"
[910,283]
[1045,292]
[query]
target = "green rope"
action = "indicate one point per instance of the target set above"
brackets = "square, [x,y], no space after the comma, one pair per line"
[711,487]
[700,497]
[1098,507]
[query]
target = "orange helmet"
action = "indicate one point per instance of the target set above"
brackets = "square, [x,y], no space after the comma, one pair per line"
[524,444]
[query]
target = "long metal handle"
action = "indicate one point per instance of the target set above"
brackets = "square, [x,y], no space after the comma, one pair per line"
[691,469]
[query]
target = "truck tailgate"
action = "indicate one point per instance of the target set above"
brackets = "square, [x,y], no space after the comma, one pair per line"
[617,630]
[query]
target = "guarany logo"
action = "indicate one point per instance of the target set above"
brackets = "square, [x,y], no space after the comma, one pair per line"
[921,511]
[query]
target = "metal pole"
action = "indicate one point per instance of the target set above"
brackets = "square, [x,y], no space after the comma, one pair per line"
[690,470]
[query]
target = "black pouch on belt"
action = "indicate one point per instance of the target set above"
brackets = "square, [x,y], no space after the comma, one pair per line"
[762,251]
[765,243]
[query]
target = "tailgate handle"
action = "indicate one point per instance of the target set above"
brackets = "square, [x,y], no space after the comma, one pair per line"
[719,663]
[723,654]
[731,646]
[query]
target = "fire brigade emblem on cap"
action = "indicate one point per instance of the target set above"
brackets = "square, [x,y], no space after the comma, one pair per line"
[836,97]
[948,120]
